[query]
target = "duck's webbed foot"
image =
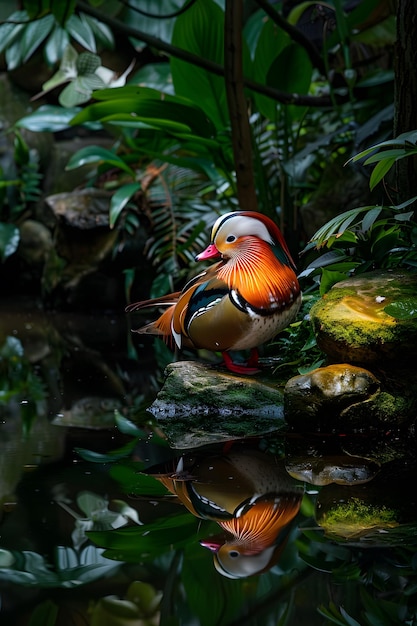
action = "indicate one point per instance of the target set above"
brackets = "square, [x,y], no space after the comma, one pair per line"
[246,369]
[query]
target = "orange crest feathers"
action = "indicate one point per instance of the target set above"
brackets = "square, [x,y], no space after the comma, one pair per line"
[258,528]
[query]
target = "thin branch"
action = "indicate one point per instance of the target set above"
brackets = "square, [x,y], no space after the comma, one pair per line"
[295,34]
[210,66]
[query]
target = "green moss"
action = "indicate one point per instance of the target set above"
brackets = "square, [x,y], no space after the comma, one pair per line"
[355,517]
[334,321]
[389,407]
[353,313]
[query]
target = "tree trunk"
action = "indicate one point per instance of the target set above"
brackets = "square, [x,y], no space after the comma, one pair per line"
[237,105]
[405,116]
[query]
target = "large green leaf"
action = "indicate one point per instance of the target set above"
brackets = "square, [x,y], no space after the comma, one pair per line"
[141,105]
[200,31]
[45,613]
[149,540]
[226,596]
[97,154]
[132,482]
[403,309]
[291,72]
[252,30]
[271,41]
[156,18]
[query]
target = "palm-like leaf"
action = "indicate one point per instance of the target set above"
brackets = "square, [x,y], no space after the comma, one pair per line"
[180,219]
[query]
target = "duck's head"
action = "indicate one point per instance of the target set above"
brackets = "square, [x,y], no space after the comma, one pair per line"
[231,230]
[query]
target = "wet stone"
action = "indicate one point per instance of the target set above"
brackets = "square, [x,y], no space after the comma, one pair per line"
[318,399]
[352,322]
[198,405]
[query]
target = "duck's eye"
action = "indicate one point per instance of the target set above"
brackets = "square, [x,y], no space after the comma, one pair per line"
[230,239]
[234,554]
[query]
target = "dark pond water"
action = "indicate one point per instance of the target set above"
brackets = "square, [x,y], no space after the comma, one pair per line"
[101,523]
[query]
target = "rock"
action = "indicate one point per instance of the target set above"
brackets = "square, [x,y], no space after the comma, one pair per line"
[58,179]
[84,243]
[382,410]
[199,404]
[344,397]
[317,399]
[35,243]
[351,324]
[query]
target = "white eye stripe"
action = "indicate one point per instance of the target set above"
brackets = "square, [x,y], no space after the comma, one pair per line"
[242,226]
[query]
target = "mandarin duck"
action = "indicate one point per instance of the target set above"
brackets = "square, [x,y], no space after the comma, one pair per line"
[238,303]
[250,496]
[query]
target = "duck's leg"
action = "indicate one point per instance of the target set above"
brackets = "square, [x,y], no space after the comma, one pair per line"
[253,360]
[244,368]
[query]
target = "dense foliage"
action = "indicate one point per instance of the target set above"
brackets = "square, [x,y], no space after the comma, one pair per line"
[315,94]
[318,83]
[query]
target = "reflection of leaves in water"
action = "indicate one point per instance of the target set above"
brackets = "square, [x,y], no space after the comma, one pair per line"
[154,539]
[98,516]
[126,427]
[72,568]
[372,563]
[18,381]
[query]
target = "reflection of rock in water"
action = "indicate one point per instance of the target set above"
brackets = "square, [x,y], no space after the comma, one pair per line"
[342,470]
[199,405]
[248,493]
[80,360]
[44,445]
[374,512]
[91,412]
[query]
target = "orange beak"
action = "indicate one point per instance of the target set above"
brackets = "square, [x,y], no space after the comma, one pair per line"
[209,253]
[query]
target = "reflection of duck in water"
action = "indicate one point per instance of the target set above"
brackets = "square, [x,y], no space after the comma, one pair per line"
[252,498]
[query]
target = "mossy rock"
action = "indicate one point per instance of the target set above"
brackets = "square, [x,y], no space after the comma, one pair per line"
[317,399]
[351,322]
[345,397]
[199,404]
